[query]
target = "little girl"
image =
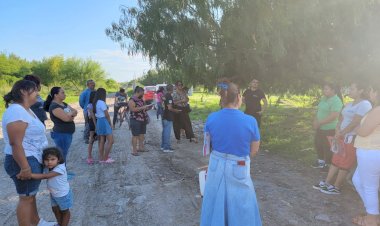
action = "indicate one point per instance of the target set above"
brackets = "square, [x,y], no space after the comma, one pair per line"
[103,126]
[92,123]
[61,195]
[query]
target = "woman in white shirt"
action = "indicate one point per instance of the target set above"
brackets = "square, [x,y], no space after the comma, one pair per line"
[24,137]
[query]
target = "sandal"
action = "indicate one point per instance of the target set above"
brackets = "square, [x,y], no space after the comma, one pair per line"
[142,151]
[90,161]
[135,154]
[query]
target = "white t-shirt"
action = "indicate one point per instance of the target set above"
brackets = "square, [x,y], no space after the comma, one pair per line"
[350,110]
[34,140]
[101,106]
[58,185]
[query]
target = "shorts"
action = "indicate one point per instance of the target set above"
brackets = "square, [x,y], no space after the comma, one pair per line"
[103,128]
[64,202]
[91,124]
[137,127]
[23,187]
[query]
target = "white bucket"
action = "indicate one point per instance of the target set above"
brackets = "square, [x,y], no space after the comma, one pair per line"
[202,181]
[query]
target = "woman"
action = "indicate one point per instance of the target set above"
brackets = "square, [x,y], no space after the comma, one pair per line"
[120,101]
[325,123]
[24,138]
[367,174]
[139,119]
[62,116]
[38,107]
[229,196]
[103,126]
[349,120]
[159,95]
[182,120]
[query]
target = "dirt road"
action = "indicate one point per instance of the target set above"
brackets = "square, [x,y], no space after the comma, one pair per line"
[162,189]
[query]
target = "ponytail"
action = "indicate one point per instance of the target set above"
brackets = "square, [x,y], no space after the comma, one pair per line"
[228,93]
[16,95]
[50,97]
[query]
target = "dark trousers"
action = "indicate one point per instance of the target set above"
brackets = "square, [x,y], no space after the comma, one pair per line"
[322,144]
[86,131]
[182,121]
[115,112]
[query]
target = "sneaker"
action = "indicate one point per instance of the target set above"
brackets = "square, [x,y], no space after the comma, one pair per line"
[321,185]
[42,222]
[330,190]
[318,164]
[168,151]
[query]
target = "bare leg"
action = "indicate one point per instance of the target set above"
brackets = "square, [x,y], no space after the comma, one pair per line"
[57,214]
[25,211]
[102,140]
[91,144]
[333,170]
[108,145]
[340,178]
[141,142]
[35,218]
[134,144]
[65,219]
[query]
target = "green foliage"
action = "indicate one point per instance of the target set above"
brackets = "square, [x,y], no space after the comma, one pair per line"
[291,45]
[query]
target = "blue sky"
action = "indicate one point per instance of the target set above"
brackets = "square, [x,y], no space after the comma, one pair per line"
[42,28]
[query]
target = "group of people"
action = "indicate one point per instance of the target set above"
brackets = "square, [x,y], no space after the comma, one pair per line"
[346,136]
[348,140]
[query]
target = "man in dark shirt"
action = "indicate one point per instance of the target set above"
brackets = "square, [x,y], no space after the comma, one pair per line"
[167,119]
[252,98]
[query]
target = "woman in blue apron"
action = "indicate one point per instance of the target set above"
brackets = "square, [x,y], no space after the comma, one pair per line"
[230,197]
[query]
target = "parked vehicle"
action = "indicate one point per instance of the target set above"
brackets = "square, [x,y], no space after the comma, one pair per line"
[149,92]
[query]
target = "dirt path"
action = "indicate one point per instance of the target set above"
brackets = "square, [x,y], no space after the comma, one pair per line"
[162,189]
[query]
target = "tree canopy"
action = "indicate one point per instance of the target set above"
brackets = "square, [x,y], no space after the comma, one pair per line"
[291,44]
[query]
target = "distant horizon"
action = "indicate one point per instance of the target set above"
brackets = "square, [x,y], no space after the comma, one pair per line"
[40,29]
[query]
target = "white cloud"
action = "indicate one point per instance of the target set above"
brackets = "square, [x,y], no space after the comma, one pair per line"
[119,65]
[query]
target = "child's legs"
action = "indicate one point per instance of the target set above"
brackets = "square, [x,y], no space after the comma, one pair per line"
[333,170]
[57,214]
[141,141]
[340,178]
[91,143]
[108,145]
[65,217]
[102,140]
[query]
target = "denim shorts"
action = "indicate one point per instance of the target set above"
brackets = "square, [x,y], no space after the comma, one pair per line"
[23,187]
[137,127]
[64,202]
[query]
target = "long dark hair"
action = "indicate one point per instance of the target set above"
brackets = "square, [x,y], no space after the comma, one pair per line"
[92,96]
[15,95]
[138,89]
[33,78]
[101,94]
[54,151]
[54,91]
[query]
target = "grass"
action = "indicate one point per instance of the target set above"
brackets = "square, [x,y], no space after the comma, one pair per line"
[286,127]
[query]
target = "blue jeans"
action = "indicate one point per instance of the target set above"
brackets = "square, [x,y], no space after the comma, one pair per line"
[160,110]
[166,133]
[62,141]
[229,196]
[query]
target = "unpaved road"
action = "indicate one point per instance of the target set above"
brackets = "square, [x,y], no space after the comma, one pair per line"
[162,189]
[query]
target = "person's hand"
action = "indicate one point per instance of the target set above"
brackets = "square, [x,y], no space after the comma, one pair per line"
[25,174]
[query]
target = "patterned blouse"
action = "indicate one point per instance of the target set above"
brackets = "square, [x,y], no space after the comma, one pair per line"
[139,115]
[177,96]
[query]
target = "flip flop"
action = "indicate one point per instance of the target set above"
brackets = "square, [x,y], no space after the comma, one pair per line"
[142,150]
[135,154]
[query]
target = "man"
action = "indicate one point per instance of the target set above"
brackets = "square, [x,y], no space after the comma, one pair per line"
[84,100]
[252,98]
[167,119]
[38,107]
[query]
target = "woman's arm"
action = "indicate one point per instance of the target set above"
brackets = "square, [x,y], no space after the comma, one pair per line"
[107,116]
[66,117]
[133,108]
[42,176]
[354,123]
[16,132]
[371,122]
[255,145]
[331,117]
[93,118]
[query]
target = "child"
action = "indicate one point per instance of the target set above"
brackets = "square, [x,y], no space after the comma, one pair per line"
[103,126]
[92,123]
[61,195]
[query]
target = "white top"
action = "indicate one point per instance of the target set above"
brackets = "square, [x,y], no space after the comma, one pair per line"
[34,140]
[58,185]
[350,110]
[101,106]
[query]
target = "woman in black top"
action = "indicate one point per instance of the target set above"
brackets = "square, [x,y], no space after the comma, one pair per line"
[62,116]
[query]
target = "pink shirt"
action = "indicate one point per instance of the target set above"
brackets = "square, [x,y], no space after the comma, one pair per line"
[158,97]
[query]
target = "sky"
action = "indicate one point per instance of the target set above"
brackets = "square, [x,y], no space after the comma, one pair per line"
[72,28]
